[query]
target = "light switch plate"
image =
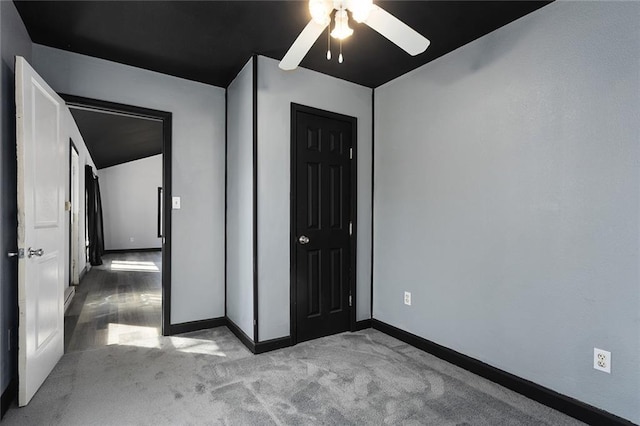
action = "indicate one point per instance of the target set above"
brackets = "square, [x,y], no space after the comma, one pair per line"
[175,203]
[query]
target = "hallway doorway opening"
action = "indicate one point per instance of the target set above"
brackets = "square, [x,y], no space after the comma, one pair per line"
[124,294]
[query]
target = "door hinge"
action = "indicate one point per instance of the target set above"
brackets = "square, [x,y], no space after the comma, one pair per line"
[350,228]
[350,300]
[350,153]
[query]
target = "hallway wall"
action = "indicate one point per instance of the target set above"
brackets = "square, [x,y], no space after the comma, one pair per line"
[84,158]
[240,205]
[129,195]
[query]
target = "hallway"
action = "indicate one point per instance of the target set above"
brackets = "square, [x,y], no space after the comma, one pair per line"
[117,302]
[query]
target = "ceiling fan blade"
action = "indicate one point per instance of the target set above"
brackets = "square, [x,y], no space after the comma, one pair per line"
[301,46]
[397,31]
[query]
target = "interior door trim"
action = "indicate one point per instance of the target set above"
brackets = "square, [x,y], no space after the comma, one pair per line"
[166,118]
[373,176]
[160,213]
[254,112]
[72,147]
[295,108]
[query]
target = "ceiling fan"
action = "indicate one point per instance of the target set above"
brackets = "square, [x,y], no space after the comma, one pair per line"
[362,11]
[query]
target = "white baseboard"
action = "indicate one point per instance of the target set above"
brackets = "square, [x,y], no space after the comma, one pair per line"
[69,292]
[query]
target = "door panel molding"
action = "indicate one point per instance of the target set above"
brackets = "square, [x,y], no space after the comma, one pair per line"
[40,232]
[336,145]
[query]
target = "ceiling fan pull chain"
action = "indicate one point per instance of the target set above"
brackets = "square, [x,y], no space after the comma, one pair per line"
[340,56]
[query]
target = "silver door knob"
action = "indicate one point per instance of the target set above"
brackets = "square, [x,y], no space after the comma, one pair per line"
[303,239]
[31,252]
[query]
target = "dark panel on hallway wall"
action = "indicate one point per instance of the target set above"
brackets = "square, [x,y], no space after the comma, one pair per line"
[210,41]
[114,139]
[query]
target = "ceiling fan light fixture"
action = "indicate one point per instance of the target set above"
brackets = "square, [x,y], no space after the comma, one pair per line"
[363,11]
[341,30]
[320,11]
[360,9]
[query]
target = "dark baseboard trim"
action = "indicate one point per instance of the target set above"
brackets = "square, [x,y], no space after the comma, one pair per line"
[190,326]
[260,347]
[567,405]
[272,345]
[135,250]
[362,325]
[241,335]
[8,396]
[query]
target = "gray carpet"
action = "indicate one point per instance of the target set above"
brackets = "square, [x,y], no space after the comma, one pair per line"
[210,378]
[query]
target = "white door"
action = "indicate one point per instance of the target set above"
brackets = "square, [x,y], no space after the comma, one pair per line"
[41,179]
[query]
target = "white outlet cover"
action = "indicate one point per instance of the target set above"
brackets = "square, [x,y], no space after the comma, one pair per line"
[407,298]
[602,360]
[175,202]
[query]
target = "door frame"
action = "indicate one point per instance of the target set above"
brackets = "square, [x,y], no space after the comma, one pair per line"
[295,108]
[166,119]
[72,147]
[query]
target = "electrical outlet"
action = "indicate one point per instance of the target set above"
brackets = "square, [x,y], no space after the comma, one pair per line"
[602,360]
[175,203]
[407,298]
[131,239]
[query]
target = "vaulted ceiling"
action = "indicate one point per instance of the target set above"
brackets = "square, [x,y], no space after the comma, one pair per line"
[210,41]
[113,138]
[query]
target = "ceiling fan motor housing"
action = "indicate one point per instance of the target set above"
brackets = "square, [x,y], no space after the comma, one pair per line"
[321,9]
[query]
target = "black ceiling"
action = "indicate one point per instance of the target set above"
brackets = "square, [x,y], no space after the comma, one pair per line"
[210,41]
[115,139]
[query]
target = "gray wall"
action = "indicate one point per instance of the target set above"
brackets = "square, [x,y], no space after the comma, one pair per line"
[129,195]
[73,133]
[507,200]
[276,90]
[197,268]
[240,200]
[14,40]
